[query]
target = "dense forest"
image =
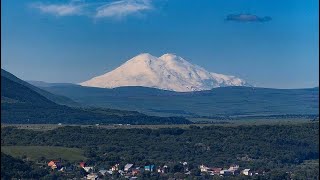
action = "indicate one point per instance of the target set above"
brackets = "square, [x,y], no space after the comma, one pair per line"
[270,148]
[13,167]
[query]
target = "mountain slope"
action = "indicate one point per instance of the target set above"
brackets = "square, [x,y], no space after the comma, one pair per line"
[21,104]
[55,98]
[168,72]
[13,92]
[223,101]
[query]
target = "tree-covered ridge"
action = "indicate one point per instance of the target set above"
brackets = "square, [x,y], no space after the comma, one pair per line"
[20,104]
[263,146]
[16,168]
[22,94]
[52,97]
[224,101]
[274,149]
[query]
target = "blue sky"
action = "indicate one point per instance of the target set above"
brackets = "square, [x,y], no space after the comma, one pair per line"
[269,43]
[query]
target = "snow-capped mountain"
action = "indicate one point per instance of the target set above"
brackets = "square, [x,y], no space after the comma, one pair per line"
[169,72]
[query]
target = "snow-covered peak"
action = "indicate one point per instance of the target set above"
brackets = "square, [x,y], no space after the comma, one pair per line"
[169,72]
[144,56]
[169,56]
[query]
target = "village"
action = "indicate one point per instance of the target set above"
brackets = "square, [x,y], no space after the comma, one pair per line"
[130,171]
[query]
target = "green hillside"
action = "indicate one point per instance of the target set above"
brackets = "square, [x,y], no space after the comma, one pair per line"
[48,152]
[52,97]
[14,168]
[20,104]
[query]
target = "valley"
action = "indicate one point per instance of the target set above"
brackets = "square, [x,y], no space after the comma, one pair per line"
[47,130]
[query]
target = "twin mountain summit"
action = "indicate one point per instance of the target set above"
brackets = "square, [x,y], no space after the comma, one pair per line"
[149,90]
[168,72]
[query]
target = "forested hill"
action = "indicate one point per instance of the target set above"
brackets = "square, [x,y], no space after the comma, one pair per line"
[52,97]
[21,104]
[224,101]
[15,93]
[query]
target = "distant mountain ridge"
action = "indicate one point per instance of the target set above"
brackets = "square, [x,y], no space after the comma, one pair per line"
[223,101]
[46,84]
[167,72]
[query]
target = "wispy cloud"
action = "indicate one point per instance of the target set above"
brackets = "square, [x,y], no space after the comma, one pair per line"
[123,8]
[114,9]
[247,18]
[59,9]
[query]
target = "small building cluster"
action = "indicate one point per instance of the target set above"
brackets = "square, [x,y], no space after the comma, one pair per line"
[131,171]
[232,170]
[55,164]
[128,171]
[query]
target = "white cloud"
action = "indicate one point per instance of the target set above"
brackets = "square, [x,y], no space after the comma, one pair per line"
[59,9]
[119,8]
[123,8]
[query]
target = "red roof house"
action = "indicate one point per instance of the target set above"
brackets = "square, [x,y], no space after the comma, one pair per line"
[82,164]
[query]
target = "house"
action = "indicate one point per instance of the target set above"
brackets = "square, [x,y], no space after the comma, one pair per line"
[184,163]
[185,166]
[128,167]
[88,168]
[203,168]
[163,169]
[82,164]
[135,172]
[92,176]
[259,172]
[149,168]
[214,171]
[234,167]
[54,164]
[247,172]
[103,172]
[225,172]
[121,172]
[235,172]
[62,169]
[115,167]
[110,172]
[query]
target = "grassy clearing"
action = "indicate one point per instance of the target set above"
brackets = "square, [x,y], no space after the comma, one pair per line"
[49,152]
[251,121]
[46,127]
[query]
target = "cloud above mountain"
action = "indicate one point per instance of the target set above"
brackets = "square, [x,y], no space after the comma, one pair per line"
[59,9]
[247,18]
[119,8]
[123,8]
